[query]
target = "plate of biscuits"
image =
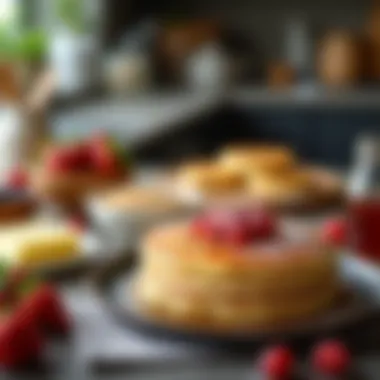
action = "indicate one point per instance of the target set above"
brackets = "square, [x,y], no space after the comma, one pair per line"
[270,174]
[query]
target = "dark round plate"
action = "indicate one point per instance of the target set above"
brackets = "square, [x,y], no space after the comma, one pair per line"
[16,205]
[358,305]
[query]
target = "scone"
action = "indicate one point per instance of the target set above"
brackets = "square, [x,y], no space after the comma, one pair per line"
[233,271]
[294,186]
[208,179]
[327,187]
[252,158]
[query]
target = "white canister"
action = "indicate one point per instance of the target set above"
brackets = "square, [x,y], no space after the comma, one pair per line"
[15,139]
[209,68]
[75,61]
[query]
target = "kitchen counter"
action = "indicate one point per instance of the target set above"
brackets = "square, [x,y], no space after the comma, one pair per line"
[147,118]
[136,119]
[304,96]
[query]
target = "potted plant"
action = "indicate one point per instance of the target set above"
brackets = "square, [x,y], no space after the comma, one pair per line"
[24,51]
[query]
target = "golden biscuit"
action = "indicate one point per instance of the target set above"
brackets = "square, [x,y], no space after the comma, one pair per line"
[209,178]
[250,158]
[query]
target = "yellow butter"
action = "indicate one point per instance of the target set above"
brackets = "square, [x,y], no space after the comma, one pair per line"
[38,244]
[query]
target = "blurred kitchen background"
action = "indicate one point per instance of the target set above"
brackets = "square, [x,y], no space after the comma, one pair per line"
[179,79]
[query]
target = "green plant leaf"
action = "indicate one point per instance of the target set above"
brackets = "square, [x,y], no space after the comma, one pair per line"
[32,46]
[28,46]
[71,13]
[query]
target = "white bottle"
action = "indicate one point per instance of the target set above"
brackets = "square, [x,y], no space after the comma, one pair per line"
[14,141]
[364,177]
[208,68]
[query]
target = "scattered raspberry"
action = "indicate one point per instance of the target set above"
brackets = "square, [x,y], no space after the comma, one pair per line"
[331,357]
[49,311]
[20,341]
[277,362]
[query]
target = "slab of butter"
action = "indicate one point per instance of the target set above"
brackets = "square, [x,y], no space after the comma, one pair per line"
[37,243]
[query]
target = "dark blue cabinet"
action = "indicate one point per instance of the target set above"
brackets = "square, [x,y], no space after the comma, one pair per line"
[318,134]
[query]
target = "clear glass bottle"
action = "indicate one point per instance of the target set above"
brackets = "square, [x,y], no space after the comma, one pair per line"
[364,198]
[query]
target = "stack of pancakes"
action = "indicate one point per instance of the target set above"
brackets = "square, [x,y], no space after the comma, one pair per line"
[204,284]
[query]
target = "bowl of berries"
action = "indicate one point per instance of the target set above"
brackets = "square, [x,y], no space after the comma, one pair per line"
[70,172]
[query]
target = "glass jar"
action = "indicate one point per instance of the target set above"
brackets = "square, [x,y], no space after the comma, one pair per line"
[128,73]
[364,198]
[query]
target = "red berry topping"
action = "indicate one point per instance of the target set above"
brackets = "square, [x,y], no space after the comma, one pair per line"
[335,232]
[81,157]
[331,357]
[235,227]
[236,234]
[18,179]
[277,362]
[260,222]
[70,158]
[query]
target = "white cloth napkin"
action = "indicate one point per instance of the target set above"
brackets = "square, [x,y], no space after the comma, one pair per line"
[98,337]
